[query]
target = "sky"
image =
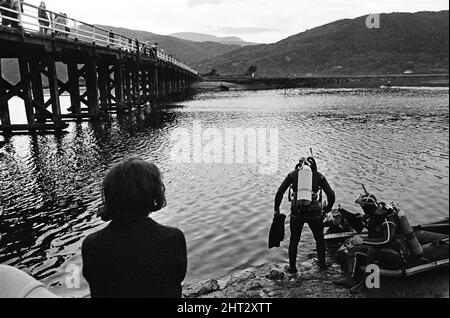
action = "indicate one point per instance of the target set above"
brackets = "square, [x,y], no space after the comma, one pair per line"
[262,21]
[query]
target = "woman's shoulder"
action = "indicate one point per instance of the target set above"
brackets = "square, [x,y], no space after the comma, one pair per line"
[164,229]
[88,243]
[91,238]
[148,226]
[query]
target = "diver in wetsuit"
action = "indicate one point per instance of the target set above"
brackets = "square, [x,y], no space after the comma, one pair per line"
[312,216]
[384,244]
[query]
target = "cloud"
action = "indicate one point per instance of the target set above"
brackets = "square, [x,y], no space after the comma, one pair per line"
[197,3]
[245,30]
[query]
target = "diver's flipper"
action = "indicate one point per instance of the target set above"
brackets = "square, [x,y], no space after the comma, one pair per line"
[276,235]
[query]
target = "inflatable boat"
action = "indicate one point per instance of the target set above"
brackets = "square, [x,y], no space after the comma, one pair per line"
[434,238]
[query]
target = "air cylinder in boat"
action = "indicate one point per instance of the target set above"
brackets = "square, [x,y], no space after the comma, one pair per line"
[414,245]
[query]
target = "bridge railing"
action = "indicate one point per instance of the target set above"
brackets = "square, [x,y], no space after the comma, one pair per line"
[32,19]
[161,55]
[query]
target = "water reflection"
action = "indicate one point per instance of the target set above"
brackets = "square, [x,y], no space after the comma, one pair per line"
[395,142]
[50,187]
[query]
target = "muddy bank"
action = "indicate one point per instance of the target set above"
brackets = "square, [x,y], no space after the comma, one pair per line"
[244,83]
[271,281]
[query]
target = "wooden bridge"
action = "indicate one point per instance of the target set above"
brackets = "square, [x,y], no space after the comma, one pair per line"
[102,72]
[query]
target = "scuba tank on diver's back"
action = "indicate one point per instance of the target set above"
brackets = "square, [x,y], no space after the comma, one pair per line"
[306,201]
[413,243]
[304,185]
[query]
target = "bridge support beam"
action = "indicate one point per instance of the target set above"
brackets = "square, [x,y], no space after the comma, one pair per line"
[54,93]
[155,83]
[30,90]
[135,85]
[37,89]
[92,87]
[4,109]
[162,82]
[112,83]
[74,87]
[118,85]
[127,85]
[144,85]
[168,84]
[27,96]
[103,84]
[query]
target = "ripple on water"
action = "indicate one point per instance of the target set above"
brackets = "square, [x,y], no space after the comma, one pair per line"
[396,143]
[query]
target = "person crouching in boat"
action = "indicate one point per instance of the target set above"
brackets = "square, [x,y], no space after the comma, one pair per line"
[306,187]
[134,256]
[384,243]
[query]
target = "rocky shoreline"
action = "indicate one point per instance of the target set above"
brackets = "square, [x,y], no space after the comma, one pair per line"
[271,281]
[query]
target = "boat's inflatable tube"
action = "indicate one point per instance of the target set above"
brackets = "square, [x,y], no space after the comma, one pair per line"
[434,256]
[437,227]
[17,284]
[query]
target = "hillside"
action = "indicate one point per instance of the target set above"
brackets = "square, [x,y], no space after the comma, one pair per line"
[416,41]
[187,51]
[200,37]
[405,41]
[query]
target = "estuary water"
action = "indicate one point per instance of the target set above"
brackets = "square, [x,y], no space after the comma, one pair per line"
[395,141]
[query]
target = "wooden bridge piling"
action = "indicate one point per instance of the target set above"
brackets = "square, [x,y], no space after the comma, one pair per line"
[74,86]
[4,111]
[26,91]
[92,87]
[110,86]
[118,85]
[99,75]
[156,83]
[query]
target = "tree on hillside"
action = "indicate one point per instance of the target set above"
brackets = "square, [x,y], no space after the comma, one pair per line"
[251,71]
[213,73]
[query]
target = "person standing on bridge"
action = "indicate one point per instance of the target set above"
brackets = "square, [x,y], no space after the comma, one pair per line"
[10,18]
[20,4]
[5,4]
[134,256]
[18,7]
[154,49]
[111,37]
[61,25]
[44,21]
